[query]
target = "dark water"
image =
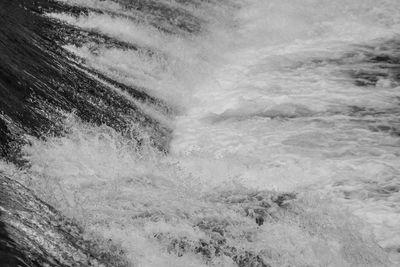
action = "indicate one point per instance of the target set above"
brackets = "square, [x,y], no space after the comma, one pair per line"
[40,81]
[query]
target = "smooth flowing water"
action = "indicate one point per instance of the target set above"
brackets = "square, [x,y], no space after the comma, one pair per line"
[263,96]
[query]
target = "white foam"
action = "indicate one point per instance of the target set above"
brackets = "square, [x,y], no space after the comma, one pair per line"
[232,128]
[145,202]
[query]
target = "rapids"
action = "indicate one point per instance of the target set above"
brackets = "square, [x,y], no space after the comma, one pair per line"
[219,133]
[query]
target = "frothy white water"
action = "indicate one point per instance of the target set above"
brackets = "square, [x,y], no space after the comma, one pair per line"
[266,102]
[278,115]
[161,216]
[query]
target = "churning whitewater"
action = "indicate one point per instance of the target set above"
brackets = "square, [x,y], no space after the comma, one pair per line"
[203,132]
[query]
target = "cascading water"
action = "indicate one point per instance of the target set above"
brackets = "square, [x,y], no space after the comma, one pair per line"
[221,133]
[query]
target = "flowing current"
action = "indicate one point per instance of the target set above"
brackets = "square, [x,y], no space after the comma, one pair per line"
[258,97]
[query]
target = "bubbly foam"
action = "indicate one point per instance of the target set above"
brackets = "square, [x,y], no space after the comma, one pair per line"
[160,215]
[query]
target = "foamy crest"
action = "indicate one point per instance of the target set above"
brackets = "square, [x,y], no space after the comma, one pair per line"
[161,216]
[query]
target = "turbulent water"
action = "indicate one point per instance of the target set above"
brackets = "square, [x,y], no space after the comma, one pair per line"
[210,133]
